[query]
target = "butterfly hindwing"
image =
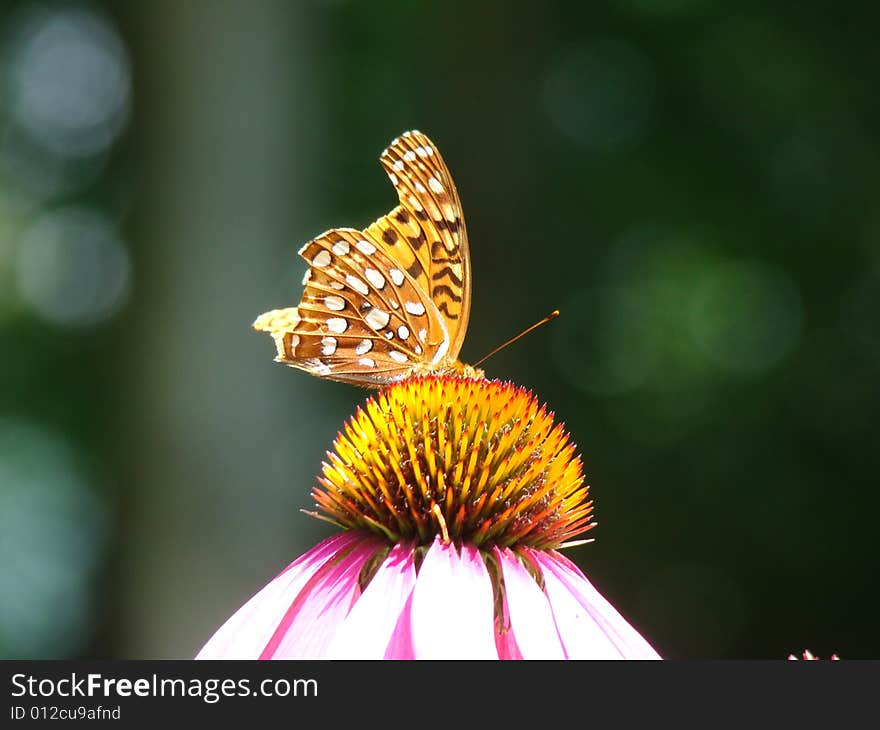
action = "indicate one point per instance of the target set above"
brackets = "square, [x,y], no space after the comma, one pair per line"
[359,316]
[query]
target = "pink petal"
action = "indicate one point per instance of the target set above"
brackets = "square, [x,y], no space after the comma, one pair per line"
[245,634]
[400,645]
[452,606]
[590,627]
[505,641]
[531,620]
[312,620]
[367,630]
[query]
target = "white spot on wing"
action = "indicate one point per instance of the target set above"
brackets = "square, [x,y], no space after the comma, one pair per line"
[375,278]
[416,308]
[367,362]
[365,247]
[409,155]
[363,347]
[423,333]
[377,319]
[420,188]
[341,248]
[403,332]
[337,325]
[338,285]
[435,185]
[329,344]
[398,165]
[357,284]
[396,276]
[331,301]
[397,356]
[321,259]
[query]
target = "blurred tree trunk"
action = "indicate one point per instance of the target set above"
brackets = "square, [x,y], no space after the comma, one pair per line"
[221,108]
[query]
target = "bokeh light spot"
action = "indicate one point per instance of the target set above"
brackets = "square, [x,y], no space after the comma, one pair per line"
[52,527]
[631,330]
[605,345]
[746,316]
[69,81]
[73,269]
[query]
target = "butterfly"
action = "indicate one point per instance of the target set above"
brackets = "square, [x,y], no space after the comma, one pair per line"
[391,301]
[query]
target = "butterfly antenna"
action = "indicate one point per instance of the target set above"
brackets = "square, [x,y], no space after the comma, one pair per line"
[553,315]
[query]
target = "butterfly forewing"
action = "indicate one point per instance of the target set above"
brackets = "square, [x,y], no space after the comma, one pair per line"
[428,227]
[381,303]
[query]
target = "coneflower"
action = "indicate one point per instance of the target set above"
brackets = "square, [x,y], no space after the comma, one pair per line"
[809,656]
[454,495]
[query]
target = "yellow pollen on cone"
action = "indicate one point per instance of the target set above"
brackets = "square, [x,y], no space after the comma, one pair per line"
[471,460]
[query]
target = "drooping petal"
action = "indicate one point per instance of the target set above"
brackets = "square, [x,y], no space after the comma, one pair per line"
[582,638]
[367,631]
[627,639]
[531,620]
[312,620]
[452,606]
[505,641]
[245,634]
[589,626]
[401,644]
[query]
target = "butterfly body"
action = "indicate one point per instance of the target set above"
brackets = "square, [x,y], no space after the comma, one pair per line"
[391,301]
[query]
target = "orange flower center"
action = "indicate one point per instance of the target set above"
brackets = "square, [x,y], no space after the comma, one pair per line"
[473,460]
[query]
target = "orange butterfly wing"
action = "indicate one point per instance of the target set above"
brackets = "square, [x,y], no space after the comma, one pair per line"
[382,304]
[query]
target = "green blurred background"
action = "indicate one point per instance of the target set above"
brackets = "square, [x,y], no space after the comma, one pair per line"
[695,187]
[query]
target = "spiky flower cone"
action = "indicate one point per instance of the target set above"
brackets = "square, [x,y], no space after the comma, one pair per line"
[473,460]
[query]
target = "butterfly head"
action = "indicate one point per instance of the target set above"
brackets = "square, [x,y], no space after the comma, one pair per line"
[462,370]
